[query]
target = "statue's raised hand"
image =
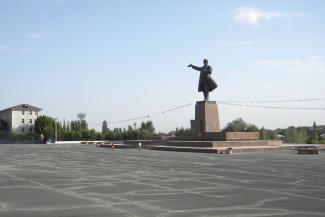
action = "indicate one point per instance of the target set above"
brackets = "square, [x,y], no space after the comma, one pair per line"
[190,65]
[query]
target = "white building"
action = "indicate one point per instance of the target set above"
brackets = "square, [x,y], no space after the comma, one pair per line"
[20,118]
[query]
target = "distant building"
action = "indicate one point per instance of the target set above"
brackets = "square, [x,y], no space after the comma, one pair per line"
[20,118]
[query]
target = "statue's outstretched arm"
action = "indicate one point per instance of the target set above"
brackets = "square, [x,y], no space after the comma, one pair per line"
[196,67]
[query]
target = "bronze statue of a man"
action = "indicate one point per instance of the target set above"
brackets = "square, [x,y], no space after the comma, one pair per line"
[206,83]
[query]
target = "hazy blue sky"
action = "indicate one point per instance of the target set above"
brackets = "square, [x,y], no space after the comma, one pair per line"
[119,59]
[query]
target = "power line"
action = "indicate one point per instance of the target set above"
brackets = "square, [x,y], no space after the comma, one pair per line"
[236,103]
[147,116]
[272,107]
[274,101]
[142,117]
[173,109]
[131,119]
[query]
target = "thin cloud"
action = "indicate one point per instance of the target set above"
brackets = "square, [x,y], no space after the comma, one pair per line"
[240,43]
[38,35]
[36,1]
[253,16]
[3,48]
[311,64]
[23,50]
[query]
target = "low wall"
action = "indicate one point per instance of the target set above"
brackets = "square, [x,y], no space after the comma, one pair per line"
[67,142]
[87,142]
[218,144]
[143,142]
[239,143]
[230,136]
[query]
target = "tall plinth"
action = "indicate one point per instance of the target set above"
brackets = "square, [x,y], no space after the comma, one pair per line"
[206,118]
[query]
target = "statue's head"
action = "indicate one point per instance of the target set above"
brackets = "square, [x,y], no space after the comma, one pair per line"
[205,62]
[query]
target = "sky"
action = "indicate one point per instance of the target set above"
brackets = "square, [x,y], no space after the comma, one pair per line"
[117,59]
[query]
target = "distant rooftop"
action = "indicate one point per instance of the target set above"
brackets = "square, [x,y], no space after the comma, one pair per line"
[23,107]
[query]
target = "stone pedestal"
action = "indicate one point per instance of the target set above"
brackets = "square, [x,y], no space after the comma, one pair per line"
[206,118]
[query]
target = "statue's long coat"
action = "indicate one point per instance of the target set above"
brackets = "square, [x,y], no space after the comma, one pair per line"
[205,82]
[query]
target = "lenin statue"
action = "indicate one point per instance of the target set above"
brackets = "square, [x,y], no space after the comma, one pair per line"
[206,83]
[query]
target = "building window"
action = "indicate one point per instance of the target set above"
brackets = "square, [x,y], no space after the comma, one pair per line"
[23,112]
[22,129]
[36,113]
[22,121]
[30,121]
[30,112]
[30,129]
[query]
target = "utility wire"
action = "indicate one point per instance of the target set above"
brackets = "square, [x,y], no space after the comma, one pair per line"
[272,107]
[273,101]
[131,119]
[236,103]
[173,109]
[147,116]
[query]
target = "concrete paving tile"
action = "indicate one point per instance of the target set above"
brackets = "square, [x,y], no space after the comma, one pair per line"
[82,180]
[30,197]
[116,188]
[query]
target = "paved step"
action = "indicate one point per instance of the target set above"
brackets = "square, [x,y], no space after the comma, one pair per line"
[118,146]
[182,149]
[216,144]
[217,150]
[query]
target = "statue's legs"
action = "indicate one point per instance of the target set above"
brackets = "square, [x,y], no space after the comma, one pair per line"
[206,95]
[206,92]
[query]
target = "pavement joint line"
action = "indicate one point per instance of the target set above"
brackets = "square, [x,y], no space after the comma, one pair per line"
[252,180]
[272,191]
[54,208]
[281,211]
[69,193]
[249,173]
[269,190]
[73,194]
[180,190]
[142,205]
[3,206]
[133,166]
[230,208]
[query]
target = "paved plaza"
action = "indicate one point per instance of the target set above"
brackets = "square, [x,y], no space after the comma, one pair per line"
[86,181]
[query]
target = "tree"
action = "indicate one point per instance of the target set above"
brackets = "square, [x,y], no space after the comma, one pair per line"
[313,139]
[295,135]
[78,126]
[301,137]
[68,135]
[64,126]
[46,126]
[272,135]
[146,130]
[148,127]
[251,128]
[131,132]
[181,132]
[83,125]
[73,126]
[68,126]
[291,135]
[263,134]
[104,127]
[239,125]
